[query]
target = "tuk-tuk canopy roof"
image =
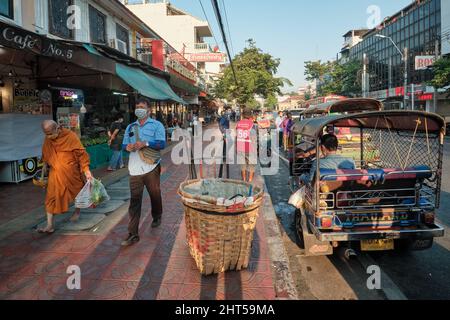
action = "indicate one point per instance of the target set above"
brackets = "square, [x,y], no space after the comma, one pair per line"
[356,105]
[393,120]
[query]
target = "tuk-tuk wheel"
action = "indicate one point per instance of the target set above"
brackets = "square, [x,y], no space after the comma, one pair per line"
[408,245]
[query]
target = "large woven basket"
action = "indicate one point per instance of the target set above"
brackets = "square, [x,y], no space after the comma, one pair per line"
[220,238]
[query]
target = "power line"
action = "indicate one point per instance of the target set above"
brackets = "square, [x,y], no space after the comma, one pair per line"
[206,17]
[222,30]
[228,26]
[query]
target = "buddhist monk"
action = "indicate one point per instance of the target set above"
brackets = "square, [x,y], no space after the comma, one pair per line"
[68,161]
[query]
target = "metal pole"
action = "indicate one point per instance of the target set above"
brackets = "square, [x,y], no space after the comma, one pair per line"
[390,73]
[413,107]
[364,76]
[405,85]
[435,91]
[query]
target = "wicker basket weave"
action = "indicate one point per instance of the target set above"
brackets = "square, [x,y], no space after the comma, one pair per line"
[220,238]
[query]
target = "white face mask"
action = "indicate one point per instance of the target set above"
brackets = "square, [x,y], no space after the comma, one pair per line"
[141,113]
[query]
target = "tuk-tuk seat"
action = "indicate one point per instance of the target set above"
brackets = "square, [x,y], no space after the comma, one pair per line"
[419,172]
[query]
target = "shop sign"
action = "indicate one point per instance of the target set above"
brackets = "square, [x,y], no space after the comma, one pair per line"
[30,101]
[21,39]
[426,97]
[180,69]
[423,62]
[206,57]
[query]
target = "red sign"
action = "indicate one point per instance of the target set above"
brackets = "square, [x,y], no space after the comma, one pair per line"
[206,57]
[158,54]
[426,97]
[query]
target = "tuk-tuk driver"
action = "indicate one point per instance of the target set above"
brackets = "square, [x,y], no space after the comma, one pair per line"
[330,160]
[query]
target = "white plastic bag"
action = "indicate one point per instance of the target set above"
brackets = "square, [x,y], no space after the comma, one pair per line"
[92,195]
[83,199]
[298,199]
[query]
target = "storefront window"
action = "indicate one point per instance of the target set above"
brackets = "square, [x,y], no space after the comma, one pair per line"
[7,8]
[97,25]
[58,18]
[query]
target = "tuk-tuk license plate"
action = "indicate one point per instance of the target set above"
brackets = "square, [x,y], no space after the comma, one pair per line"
[377,245]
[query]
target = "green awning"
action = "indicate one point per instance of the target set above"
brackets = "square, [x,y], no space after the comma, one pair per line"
[183,85]
[91,49]
[150,86]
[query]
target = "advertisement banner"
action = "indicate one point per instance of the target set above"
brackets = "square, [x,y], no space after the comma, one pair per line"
[206,57]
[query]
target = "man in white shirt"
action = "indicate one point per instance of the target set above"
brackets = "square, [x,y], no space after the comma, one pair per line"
[278,121]
[151,134]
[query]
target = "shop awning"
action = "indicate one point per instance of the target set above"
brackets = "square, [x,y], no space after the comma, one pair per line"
[150,86]
[183,85]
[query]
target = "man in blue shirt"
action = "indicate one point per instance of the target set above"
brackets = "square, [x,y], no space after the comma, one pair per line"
[151,134]
[224,123]
[330,160]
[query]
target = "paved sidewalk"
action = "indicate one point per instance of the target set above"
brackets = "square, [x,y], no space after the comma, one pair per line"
[33,266]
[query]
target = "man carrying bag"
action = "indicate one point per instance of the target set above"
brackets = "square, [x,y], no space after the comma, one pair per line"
[144,139]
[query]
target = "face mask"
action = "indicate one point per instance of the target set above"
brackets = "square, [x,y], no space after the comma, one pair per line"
[141,113]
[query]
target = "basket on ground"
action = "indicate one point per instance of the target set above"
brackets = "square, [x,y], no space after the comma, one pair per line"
[221,218]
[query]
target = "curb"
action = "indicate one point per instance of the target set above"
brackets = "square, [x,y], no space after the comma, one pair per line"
[285,288]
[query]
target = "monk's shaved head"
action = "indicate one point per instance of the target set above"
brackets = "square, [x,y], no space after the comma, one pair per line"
[49,125]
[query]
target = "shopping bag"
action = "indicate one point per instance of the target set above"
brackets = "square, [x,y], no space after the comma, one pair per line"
[83,199]
[298,199]
[93,194]
[99,193]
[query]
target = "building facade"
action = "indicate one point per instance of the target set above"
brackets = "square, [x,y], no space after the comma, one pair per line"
[184,32]
[417,31]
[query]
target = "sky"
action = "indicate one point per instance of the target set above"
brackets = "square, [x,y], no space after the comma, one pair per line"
[293,30]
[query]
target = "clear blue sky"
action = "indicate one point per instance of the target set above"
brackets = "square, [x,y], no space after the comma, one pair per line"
[293,30]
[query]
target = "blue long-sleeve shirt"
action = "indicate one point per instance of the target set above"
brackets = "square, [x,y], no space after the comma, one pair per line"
[333,161]
[152,132]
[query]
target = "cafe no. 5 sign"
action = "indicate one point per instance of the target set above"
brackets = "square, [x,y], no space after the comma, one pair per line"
[21,39]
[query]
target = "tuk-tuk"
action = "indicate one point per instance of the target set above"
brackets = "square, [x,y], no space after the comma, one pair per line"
[387,202]
[349,138]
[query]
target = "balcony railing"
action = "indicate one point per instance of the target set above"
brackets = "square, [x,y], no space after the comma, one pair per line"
[202,47]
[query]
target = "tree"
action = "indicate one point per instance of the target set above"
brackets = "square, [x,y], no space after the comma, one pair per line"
[271,102]
[255,73]
[441,69]
[334,77]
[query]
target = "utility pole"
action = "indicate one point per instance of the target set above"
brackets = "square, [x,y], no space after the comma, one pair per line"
[405,85]
[435,93]
[390,73]
[364,76]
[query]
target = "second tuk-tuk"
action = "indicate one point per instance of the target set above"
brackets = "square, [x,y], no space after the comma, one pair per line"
[388,201]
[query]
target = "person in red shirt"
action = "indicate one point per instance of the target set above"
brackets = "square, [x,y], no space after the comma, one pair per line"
[246,140]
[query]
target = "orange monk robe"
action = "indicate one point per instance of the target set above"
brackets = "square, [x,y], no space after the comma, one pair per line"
[68,160]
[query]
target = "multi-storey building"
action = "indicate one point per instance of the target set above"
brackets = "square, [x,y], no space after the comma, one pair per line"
[184,32]
[80,62]
[418,31]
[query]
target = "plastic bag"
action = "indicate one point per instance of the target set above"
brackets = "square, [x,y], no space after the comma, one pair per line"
[92,194]
[99,194]
[298,199]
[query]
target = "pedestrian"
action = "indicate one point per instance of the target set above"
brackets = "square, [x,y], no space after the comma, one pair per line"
[224,123]
[278,121]
[144,133]
[287,126]
[246,141]
[67,161]
[115,134]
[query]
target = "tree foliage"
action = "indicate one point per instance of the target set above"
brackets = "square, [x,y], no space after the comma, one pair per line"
[255,72]
[335,78]
[441,69]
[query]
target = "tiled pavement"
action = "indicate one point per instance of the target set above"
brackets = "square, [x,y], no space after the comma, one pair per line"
[33,266]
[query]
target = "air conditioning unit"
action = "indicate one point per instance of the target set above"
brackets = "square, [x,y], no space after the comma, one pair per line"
[121,46]
[146,58]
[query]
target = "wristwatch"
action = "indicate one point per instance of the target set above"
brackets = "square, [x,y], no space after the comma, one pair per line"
[147,144]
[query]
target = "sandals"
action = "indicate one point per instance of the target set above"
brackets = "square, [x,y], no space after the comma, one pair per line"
[49,232]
